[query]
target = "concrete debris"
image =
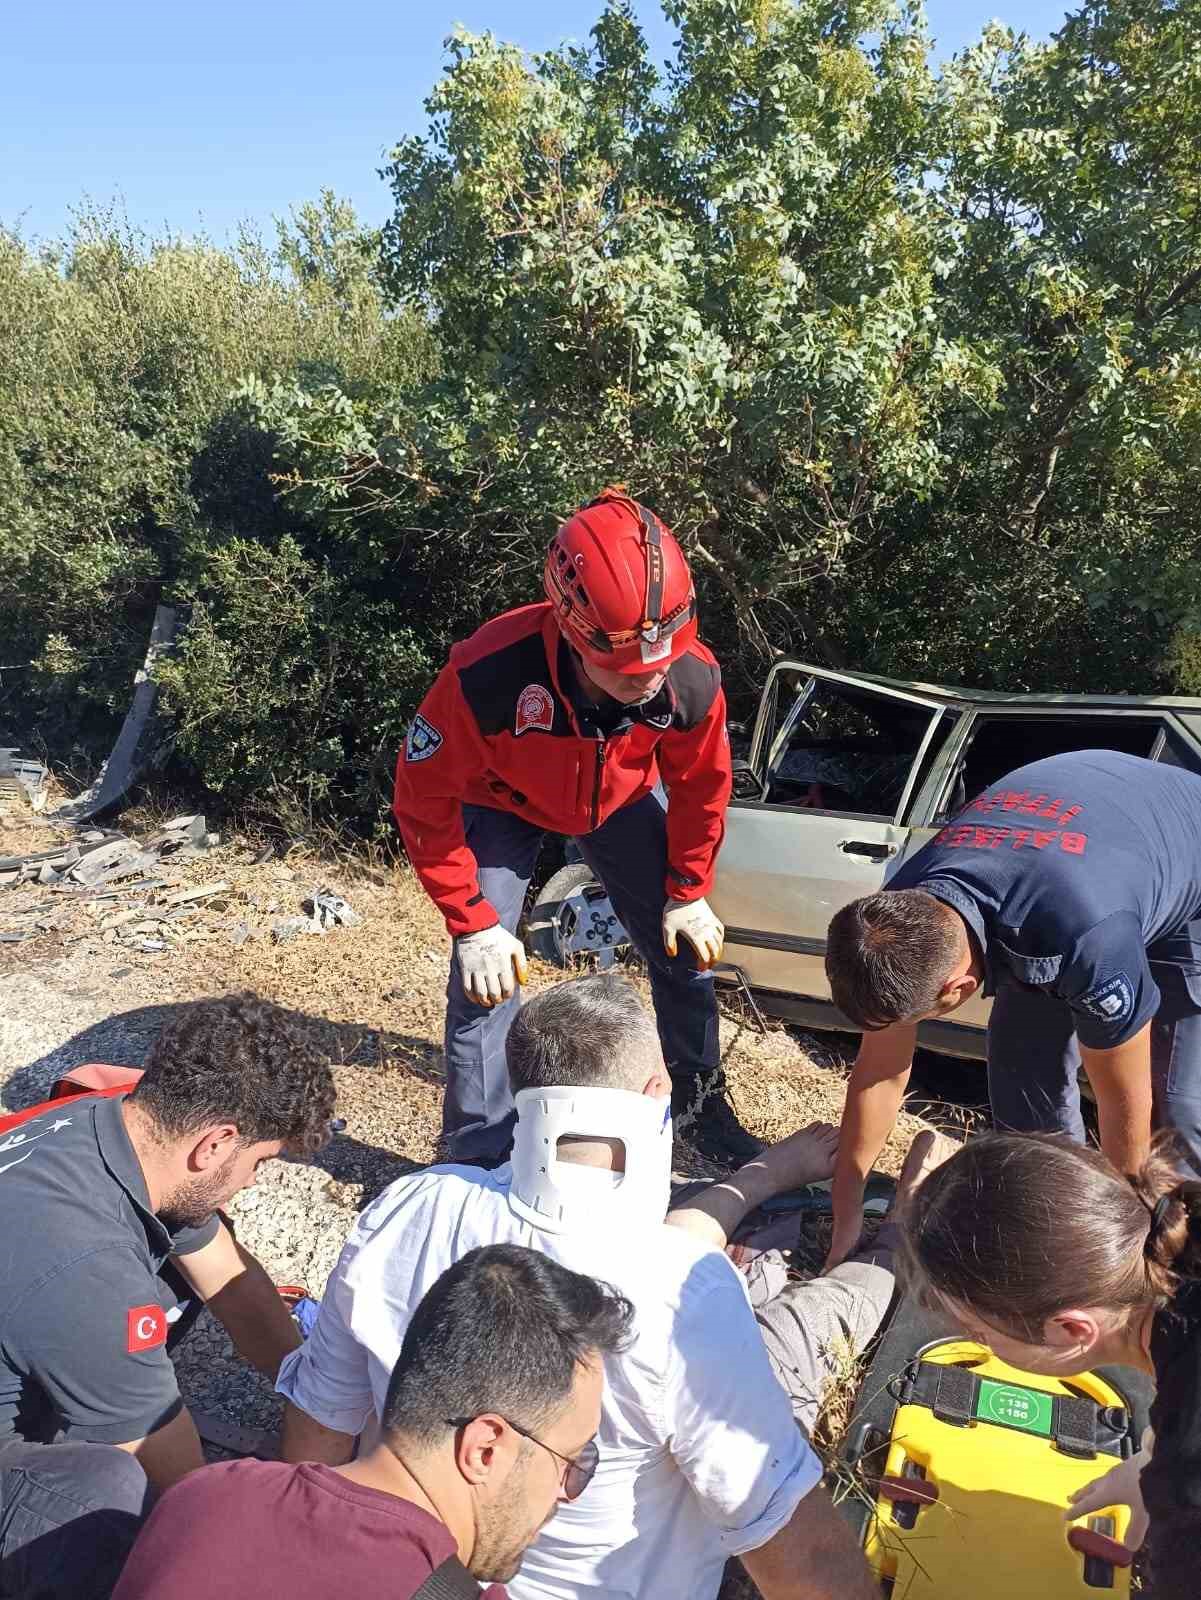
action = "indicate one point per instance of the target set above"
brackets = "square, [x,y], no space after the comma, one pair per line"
[118,886]
[329,910]
[204,892]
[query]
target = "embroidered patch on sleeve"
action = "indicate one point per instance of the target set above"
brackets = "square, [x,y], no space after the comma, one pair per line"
[1111,1001]
[423,740]
[145,1328]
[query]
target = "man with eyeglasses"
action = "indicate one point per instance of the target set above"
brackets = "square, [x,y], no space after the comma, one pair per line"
[596,714]
[454,1490]
[700,1458]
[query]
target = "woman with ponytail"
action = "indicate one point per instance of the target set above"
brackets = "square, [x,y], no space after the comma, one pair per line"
[1044,1252]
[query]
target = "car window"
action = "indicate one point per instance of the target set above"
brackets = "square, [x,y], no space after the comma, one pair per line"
[837,748]
[997,745]
[1175,751]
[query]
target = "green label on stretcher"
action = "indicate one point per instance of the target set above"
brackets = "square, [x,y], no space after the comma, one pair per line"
[1028,1409]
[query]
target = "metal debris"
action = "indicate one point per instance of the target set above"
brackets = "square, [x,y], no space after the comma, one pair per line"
[139,739]
[22,781]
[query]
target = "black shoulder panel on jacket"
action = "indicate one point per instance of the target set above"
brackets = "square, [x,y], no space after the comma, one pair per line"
[493,685]
[695,684]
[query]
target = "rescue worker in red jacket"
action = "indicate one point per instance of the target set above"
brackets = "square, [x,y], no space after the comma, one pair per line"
[572,716]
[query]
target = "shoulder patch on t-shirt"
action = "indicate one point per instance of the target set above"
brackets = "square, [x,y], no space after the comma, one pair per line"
[1111,1001]
[423,740]
[145,1328]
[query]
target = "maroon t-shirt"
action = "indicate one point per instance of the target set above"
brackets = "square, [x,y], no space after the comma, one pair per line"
[255,1528]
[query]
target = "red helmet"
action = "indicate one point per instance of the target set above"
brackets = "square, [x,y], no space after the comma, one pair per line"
[620,586]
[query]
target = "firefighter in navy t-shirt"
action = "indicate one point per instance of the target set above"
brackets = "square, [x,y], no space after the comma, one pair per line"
[1070,891]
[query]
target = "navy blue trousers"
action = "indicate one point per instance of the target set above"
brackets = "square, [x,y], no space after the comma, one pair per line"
[628,854]
[1034,1059]
[69,1514]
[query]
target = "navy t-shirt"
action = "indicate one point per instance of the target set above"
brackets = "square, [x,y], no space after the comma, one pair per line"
[1069,871]
[84,1315]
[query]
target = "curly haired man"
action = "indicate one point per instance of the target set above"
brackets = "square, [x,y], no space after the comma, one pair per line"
[113,1211]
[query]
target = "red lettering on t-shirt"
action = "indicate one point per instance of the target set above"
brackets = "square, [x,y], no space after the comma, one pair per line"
[1021,837]
[1043,837]
[1013,800]
[1073,843]
[1072,811]
[145,1328]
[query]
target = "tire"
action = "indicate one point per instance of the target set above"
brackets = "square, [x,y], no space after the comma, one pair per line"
[572,920]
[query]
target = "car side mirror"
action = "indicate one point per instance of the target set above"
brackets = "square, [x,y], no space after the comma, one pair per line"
[746,783]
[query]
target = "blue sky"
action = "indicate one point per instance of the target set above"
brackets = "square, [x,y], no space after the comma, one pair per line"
[197,114]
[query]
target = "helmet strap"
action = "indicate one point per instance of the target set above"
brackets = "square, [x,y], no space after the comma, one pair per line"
[653,542]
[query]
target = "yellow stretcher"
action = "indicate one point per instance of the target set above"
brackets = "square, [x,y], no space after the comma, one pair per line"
[975,1476]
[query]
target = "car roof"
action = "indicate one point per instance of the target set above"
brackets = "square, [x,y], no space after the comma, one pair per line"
[950,694]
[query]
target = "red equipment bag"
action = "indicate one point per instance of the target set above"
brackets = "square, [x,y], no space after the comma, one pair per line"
[96,1077]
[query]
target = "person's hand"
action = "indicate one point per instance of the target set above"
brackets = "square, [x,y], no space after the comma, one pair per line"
[696,921]
[1118,1487]
[848,1228]
[804,1157]
[492,962]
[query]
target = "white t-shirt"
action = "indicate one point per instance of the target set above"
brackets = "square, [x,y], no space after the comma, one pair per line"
[700,1458]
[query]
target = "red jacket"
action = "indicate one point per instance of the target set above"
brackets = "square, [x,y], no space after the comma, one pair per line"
[499,729]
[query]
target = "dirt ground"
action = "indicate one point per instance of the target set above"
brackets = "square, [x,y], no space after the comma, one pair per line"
[372,995]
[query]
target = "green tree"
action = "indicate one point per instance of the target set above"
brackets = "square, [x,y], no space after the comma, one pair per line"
[720,287]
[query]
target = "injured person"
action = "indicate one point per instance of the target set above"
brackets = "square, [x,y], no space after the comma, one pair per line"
[814,1327]
[700,1456]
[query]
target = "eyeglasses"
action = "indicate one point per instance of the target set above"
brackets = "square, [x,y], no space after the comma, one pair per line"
[580,1471]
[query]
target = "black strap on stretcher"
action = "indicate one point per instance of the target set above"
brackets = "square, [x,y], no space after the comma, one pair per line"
[450,1581]
[1079,1426]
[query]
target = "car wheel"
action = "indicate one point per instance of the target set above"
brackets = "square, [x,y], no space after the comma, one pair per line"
[573,918]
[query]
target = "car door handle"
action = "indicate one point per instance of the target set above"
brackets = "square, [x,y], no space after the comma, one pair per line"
[868,848]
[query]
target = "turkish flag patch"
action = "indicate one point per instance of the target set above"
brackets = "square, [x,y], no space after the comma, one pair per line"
[145,1328]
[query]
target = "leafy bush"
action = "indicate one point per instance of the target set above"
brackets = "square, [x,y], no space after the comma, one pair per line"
[910,361]
[129,473]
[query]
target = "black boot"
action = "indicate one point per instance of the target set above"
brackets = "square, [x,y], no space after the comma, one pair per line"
[703,1117]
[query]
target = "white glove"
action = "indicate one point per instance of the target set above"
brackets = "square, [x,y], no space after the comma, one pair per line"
[695,920]
[492,962]
[1118,1487]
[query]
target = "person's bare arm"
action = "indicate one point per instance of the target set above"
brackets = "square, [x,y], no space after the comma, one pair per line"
[1121,1080]
[306,1439]
[241,1295]
[874,1094]
[814,1557]
[168,1453]
[715,1213]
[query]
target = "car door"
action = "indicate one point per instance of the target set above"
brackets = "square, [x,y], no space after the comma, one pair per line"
[818,814]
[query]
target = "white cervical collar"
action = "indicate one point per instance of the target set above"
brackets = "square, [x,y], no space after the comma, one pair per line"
[565,1196]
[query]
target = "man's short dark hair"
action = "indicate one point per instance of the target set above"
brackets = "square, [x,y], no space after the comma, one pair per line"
[501,1331]
[889,954]
[591,1032]
[243,1060]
